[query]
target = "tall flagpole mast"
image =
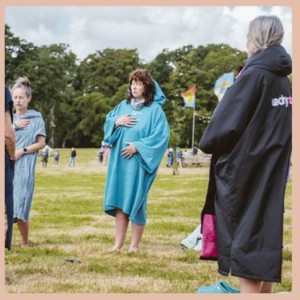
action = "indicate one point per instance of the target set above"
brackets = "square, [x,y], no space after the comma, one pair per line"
[193,131]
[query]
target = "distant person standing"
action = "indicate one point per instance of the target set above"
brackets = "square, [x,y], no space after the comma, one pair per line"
[45,156]
[170,157]
[72,157]
[195,150]
[185,154]
[30,138]
[10,144]
[56,156]
[178,157]
[100,154]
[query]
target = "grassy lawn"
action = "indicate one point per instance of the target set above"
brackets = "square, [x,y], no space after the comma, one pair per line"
[67,221]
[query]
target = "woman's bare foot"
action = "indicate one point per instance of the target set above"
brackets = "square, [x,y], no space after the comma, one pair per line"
[133,250]
[116,248]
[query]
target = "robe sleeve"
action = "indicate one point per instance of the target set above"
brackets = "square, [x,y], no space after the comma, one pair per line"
[232,114]
[152,148]
[111,133]
[40,128]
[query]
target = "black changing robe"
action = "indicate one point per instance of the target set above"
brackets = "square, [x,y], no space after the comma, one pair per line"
[251,131]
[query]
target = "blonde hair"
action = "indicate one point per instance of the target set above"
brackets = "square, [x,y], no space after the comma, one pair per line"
[23,83]
[264,32]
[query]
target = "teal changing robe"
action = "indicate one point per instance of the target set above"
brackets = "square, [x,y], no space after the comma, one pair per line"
[128,180]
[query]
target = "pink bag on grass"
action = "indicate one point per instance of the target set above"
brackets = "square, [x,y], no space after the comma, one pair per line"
[209,238]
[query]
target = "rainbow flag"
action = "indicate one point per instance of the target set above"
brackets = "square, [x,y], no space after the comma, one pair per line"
[189,97]
[223,83]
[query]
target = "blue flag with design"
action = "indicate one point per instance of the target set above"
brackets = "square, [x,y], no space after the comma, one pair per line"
[223,83]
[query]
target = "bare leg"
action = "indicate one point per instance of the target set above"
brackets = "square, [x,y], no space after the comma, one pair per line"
[24,230]
[267,287]
[250,286]
[136,235]
[121,226]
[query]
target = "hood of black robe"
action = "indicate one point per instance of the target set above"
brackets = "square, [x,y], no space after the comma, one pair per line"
[274,59]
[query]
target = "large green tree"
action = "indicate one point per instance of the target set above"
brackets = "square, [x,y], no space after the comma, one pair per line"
[53,76]
[89,113]
[199,66]
[105,71]
[75,96]
[51,70]
[19,56]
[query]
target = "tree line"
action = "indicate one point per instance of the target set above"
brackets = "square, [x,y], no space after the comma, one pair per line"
[74,96]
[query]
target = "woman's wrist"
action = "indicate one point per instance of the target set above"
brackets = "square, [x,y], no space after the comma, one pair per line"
[118,123]
[25,150]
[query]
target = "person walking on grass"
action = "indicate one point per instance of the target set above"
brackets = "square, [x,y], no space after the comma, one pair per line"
[138,132]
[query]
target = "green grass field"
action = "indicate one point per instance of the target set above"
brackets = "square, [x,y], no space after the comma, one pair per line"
[67,221]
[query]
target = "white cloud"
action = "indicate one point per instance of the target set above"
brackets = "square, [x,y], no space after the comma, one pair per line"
[149,29]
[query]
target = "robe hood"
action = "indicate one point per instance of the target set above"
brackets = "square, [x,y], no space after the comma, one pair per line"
[31,113]
[274,59]
[159,96]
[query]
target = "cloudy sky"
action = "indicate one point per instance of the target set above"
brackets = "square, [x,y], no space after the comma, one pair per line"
[149,29]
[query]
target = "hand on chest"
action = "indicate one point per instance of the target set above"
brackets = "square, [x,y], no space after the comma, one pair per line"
[142,123]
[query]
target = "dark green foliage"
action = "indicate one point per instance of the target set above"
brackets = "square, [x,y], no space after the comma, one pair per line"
[74,97]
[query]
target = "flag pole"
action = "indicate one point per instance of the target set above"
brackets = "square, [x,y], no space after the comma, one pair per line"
[193,131]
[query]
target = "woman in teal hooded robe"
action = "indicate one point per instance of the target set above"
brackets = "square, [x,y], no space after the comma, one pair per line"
[138,133]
